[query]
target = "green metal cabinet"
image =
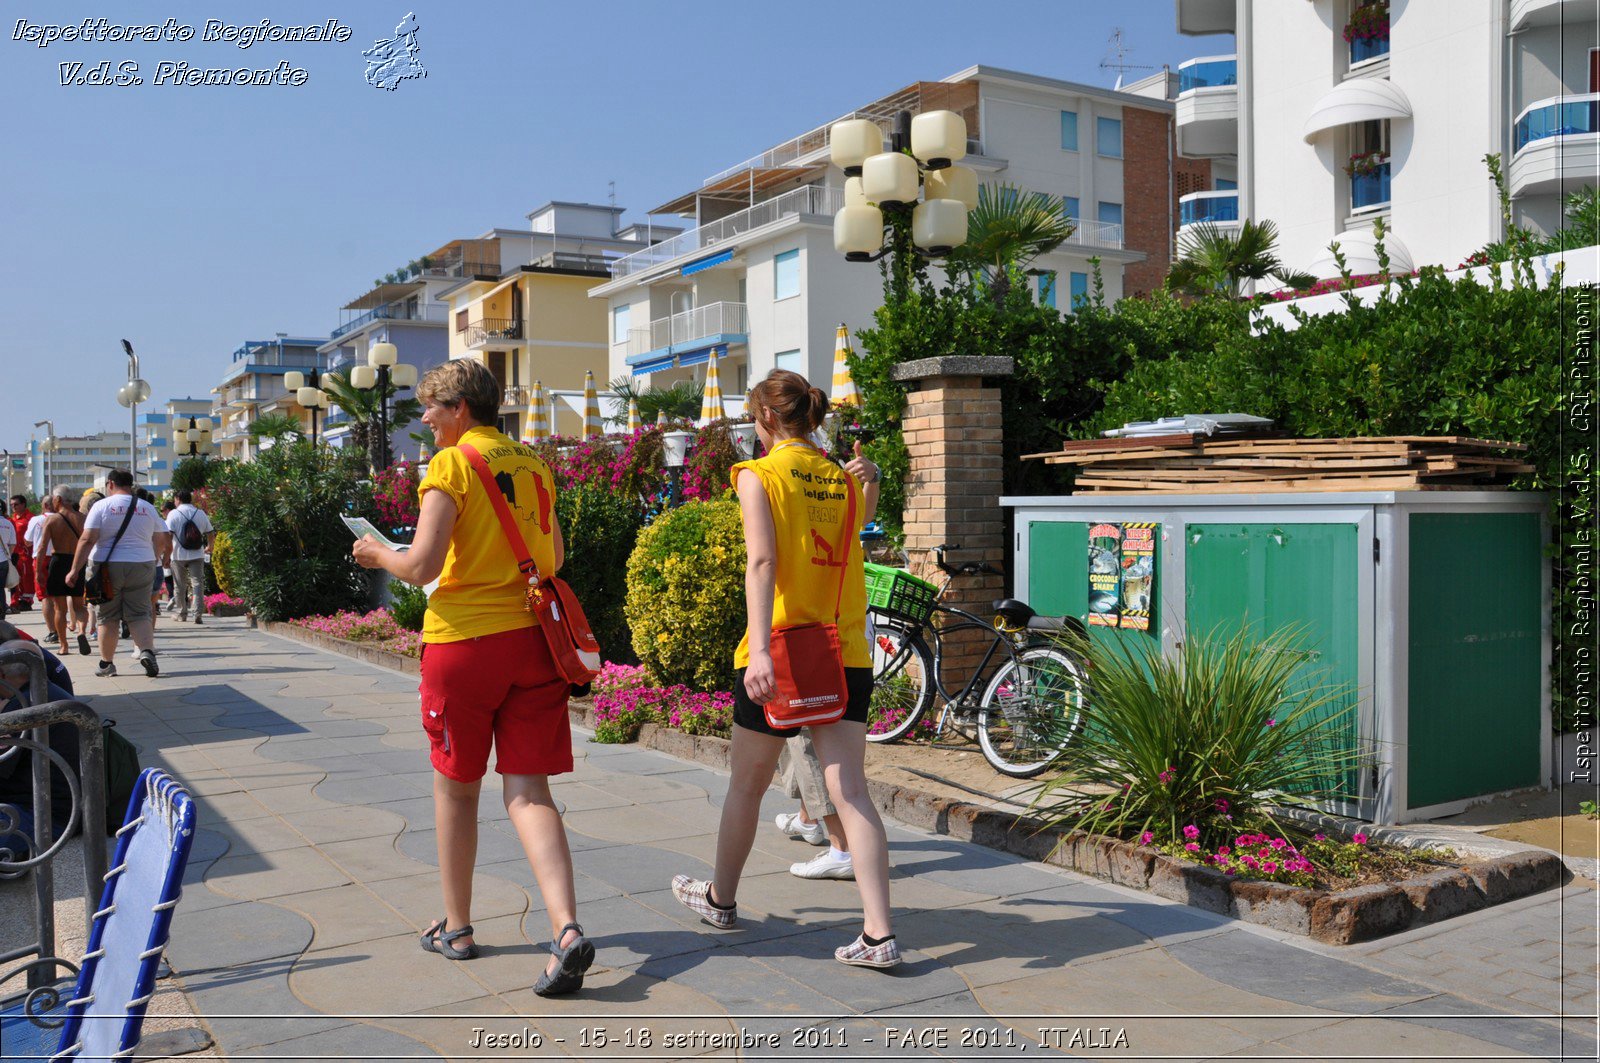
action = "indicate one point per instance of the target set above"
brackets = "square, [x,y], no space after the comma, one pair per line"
[1428,610]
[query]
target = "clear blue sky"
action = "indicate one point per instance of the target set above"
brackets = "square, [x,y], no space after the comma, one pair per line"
[190,219]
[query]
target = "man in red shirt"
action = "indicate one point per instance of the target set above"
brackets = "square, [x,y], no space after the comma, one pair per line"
[22,594]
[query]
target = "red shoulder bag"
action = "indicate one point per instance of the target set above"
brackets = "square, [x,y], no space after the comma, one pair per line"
[548,599]
[807,661]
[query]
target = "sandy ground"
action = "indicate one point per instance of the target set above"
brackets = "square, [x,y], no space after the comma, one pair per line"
[1549,819]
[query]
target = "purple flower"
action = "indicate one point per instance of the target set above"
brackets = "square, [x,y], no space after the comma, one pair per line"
[1146,838]
[1191,832]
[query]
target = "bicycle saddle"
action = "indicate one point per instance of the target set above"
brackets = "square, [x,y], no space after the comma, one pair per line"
[1021,615]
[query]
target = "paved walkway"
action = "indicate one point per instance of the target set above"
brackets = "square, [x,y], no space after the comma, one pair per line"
[314,873]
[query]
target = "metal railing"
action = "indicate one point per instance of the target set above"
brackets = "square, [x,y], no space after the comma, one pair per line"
[1369,189]
[1558,116]
[811,199]
[393,312]
[1364,48]
[1096,234]
[25,733]
[680,330]
[492,328]
[1208,72]
[514,395]
[573,260]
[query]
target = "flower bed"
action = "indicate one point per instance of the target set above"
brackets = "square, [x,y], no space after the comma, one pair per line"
[224,604]
[376,628]
[1319,862]
[625,700]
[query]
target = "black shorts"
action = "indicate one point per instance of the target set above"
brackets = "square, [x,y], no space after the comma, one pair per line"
[55,582]
[750,716]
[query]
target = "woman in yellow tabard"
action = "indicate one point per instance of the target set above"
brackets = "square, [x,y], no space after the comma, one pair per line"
[795,522]
[487,674]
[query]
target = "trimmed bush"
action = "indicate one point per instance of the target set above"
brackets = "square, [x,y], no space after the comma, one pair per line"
[599,526]
[685,601]
[409,606]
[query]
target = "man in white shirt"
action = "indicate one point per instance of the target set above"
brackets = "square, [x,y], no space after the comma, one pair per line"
[28,551]
[8,549]
[127,537]
[191,542]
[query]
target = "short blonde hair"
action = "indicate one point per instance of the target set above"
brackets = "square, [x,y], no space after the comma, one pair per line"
[463,380]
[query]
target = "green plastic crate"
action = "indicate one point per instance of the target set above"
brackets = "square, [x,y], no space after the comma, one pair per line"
[894,590]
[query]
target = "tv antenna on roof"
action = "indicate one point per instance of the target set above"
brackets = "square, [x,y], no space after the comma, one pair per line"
[1117,57]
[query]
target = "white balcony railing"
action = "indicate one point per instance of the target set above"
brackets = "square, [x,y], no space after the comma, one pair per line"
[703,322]
[812,199]
[1096,234]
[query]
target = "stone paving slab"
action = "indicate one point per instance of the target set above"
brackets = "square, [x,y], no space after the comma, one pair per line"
[314,873]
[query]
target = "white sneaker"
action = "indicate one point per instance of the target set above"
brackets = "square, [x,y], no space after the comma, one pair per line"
[825,865]
[791,823]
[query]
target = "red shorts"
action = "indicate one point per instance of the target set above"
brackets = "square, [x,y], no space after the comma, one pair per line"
[503,686]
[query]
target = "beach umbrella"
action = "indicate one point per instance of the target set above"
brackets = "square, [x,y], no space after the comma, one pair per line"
[711,404]
[538,413]
[634,423]
[591,408]
[844,387]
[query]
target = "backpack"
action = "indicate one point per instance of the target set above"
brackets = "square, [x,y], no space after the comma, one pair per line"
[191,538]
[122,775]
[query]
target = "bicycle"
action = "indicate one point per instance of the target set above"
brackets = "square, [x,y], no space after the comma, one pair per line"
[1031,703]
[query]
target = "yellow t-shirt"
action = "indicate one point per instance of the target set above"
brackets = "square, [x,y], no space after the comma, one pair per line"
[807,494]
[480,591]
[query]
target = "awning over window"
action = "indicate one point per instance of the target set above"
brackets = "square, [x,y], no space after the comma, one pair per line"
[706,263]
[1357,100]
[1359,247]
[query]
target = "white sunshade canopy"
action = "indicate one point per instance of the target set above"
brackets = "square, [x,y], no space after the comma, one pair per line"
[1359,247]
[1357,100]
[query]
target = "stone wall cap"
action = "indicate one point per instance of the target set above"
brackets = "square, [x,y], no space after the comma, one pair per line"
[954,365]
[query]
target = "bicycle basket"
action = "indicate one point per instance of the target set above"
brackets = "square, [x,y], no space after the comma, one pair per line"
[894,590]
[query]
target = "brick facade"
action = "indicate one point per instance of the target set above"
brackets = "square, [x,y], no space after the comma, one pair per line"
[1149,218]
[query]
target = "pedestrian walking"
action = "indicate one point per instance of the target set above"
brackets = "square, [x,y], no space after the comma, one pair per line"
[802,516]
[124,535]
[167,506]
[817,822]
[29,549]
[19,517]
[58,541]
[487,673]
[192,536]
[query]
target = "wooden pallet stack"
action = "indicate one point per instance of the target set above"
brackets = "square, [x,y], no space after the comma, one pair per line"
[1196,464]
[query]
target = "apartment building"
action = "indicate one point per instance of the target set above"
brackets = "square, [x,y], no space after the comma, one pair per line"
[160,448]
[1331,114]
[79,462]
[524,309]
[253,388]
[756,278]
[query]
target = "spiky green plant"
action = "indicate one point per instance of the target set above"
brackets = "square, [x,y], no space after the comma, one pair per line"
[1226,727]
[1008,229]
[1212,260]
[681,400]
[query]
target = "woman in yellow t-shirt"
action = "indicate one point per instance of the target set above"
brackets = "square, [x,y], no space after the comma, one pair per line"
[799,545]
[487,673]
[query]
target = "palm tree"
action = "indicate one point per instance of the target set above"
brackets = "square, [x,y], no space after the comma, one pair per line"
[361,404]
[1008,229]
[271,428]
[681,400]
[1212,260]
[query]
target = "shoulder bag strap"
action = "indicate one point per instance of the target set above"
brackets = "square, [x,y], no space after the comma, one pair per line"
[133,504]
[844,546]
[519,545]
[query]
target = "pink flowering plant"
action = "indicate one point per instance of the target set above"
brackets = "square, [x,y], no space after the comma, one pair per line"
[223,600]
[1318,861]
[377,628]
[394,497]
[1194,747]
[626,698]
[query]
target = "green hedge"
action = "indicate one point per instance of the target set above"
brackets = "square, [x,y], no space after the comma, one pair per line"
[685,600]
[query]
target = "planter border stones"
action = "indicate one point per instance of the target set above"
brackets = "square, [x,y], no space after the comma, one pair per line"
[1340,917]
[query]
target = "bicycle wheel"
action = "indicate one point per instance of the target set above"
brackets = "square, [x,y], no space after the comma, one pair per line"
[902,678]
[1031,710]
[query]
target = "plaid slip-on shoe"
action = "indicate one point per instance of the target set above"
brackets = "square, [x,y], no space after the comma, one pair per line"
[859,954]
[695,895]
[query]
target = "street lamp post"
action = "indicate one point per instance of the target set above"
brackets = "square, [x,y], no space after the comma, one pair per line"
[196,434]
[380,372]
[307,393]
[130,395]
[45,448]
[881,187]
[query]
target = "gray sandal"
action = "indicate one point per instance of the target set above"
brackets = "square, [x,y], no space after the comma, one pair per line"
[574,960]
[437,939]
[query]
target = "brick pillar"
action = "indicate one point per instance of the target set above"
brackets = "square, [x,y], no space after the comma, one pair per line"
[953,430]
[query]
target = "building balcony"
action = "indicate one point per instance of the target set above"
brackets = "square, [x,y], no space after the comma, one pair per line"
[724,232]
[393,312]
[1370,191]
[1555,144]
[1219,208]
[1363,49]
[687,338]
[1200,17]
[1207,108]
[493,334]
[1526,14]
[514,397]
